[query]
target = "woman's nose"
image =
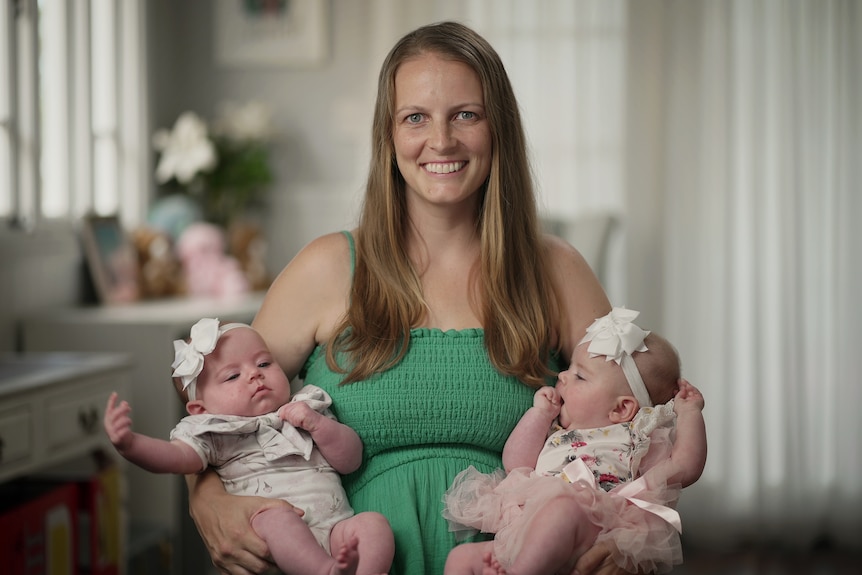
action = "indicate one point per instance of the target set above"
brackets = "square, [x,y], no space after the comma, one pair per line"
[441,136]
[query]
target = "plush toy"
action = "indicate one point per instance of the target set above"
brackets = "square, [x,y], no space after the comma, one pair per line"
[207,269]
[248,246]
[160,274]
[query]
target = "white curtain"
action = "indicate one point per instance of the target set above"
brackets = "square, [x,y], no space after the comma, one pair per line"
[762,270]
[726,136]
[566,60]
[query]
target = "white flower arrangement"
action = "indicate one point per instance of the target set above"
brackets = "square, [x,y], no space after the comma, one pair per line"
[226,169]
[186,150]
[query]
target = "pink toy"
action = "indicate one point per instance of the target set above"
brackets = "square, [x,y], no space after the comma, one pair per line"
[208,270]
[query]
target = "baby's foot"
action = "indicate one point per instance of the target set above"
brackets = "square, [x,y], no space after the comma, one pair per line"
[490,565]
[347,558]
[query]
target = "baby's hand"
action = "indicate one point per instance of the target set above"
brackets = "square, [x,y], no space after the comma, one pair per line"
[547,400]
[118,422]
[299,414]
[688,398]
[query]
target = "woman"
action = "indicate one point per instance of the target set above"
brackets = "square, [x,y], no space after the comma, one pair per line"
[444,297]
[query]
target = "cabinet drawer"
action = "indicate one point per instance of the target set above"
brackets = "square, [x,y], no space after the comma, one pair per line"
[16,435]
[74,418]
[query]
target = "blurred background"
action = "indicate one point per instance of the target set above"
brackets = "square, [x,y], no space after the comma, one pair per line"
[705,155]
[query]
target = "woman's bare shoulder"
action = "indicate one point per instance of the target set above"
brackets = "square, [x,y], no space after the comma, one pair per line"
[327,255]
[564,257]
[581,296]
[320,270]
[306,300]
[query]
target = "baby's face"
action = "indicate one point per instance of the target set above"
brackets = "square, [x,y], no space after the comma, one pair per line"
[589,390]
[240,377]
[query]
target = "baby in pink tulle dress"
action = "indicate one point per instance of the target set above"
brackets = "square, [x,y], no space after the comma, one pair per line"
[601,457]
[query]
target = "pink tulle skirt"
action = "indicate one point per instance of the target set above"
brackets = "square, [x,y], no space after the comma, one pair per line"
[506,504]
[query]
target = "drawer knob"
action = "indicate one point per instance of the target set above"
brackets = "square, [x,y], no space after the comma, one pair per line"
[88,419]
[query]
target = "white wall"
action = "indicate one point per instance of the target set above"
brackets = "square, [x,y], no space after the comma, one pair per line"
[37,271]
[322,114]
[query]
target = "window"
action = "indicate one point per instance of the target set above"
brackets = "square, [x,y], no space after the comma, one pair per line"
[567,61]
[6,182]
[70,133]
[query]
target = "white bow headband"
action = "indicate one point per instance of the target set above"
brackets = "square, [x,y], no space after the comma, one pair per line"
[617,338]
[189,357]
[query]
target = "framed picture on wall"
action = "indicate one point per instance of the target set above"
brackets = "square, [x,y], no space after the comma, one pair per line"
[111,259]
[276,33]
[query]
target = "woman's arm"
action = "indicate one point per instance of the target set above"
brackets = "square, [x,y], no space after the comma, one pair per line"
[300,309]
[582,298]
[597,560]
[306,301]
[224,523]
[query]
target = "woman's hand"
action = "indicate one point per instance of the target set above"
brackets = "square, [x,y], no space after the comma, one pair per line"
[224,523]
[597,561]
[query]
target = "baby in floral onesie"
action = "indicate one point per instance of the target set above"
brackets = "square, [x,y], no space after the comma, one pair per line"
[596,459]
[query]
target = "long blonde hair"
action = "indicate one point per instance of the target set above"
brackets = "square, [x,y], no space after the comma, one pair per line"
[515,288]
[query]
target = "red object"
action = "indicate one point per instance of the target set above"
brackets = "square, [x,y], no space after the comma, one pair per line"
[99,522]
[38,528]
[97,481]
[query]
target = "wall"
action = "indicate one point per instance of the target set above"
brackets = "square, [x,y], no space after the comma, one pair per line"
[37,271]
[322,114]
[646,116]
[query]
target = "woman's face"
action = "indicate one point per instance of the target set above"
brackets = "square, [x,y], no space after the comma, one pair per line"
[441,135]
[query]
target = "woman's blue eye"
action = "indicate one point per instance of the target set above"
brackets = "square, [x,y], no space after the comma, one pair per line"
[466,115]
[414,118]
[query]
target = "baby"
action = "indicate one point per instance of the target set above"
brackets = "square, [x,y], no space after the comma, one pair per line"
[261,442]
[609,470]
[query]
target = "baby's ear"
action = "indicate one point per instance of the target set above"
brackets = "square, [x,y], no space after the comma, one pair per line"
[625,409]
[195,408]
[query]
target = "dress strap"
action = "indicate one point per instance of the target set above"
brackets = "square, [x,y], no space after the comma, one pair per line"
[350,241]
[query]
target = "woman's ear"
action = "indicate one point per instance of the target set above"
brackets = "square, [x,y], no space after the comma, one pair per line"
[195,407]
[625,409]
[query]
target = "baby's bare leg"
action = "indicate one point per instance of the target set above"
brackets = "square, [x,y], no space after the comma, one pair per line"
[294,548]
[555,538]
[376,544]
[469,559]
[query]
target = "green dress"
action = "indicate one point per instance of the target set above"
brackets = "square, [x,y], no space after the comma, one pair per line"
[440,410]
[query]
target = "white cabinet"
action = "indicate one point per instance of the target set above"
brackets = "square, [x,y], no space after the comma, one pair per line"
[145,331]
[51,407]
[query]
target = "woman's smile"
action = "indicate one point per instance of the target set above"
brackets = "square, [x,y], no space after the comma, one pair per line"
[444,167]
